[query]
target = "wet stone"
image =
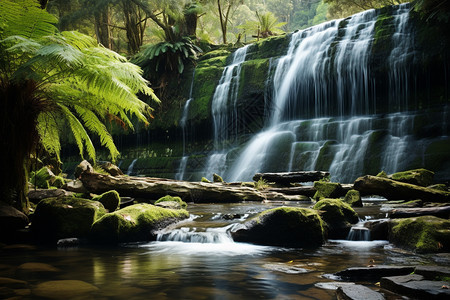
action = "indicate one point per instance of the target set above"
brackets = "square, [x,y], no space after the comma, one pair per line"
[373,273]
[12,283]
[286,268]
[64,289]
[433,272]
[333,285]
[357,292]
[35,270]
[414,286]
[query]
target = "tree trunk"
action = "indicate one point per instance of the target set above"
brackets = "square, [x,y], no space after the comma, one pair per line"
[102,30]
[191,24]
[286,178]
[18,115]
[133,25]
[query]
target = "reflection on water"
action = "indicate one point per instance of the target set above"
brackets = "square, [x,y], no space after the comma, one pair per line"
[222,270]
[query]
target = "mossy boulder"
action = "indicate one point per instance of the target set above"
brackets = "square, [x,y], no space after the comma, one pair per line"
[65,217]
[327,190]
[42,178]
[283,226]
[138,222]
[169,201]
[420,177]
[338,215]
[110,200]
[425,234]
[353,198]
[217,178]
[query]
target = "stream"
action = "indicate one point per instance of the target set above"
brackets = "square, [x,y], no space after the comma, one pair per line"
[197,259]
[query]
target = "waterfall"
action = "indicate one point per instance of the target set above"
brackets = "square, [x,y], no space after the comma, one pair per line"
[183,120]
[359,233]
[191,235]
[309,85]
[131,166]
[225,96]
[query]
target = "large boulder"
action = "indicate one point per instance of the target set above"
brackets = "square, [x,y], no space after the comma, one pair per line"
[395,190]
[139,222]
[425,234]
[65,217]
[283,226]
[420,177]
[11,220]
[110,200]
[171,202]
[338,215]
[353,198]
[327,190]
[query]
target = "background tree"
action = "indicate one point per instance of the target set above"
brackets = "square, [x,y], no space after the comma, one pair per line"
[225,9]
[51,80]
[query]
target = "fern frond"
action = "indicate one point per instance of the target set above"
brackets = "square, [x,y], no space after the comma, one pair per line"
[49,133]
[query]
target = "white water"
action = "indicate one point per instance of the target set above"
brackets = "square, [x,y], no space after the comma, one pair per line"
[131,166]
[359,233]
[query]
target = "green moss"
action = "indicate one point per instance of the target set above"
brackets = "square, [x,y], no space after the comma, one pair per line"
[204,179]
[326,156]
[57,181]
[172,199]
[327,189]
[270,47]
[353,198]
[214,53]
[382,174]
[110,200]
[437,156]
[420,177]
[426,234]
[137,222]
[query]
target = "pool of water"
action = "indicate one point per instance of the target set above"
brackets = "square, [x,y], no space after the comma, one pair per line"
[211,269]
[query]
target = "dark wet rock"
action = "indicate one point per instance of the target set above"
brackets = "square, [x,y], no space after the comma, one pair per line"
[11,219]
[66,217]
[217,178]
[68,243]
[328,190]
[426,234]
[402,204]
[394,190]
[75,186]
[357,292]
[138,222]
[36,195]
[338,216]
[420,177]
[84,166]
[64,289]
[332,285]
[286,178]
[283,226]
[307,191]
[433,272]
[416,287]
[373,273]
[353,198]
[231,216]
[110,200]
[13,283]
[34,270]
[440,186]
[287,268]
[379,229]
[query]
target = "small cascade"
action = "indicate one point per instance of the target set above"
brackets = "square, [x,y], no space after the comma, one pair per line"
[191,235]
[183,121]
[131,166]
[359,233]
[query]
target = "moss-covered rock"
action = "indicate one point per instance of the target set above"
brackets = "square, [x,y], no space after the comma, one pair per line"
[353,198]
[420,177]
[382,174]
[57,181]
[42,177]
[110,200]
[204,179]
[217,178]
[338,215]
[138,222]
[65,217]
[283,226]
[327,190]
[180,203]
[426,234]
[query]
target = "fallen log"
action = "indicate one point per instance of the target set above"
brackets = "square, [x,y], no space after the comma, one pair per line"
[394,190]
[440,212]
[308,191]
[153,188]
[286,178]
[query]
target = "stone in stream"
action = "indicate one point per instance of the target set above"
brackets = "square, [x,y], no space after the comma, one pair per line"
[13,283]
[65,289]
[338,215]
[110,200]
[283,226]
[373,273]
[415,286]
[420,177]
[433,272]
[34,270]
[11,220]
[353,198]
[328,190]
[357,292]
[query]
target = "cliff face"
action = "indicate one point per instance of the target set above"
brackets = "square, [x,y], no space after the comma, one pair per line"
[382,76]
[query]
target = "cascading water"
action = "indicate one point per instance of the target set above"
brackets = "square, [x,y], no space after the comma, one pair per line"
[131,166]
[183,120]
[225,96]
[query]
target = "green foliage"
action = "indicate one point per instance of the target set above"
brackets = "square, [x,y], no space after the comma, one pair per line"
[345,8]
[167,57]
[266,25]
[433,9]
[76,81]
[261,184]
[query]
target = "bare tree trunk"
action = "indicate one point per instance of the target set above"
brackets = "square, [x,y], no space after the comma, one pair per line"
[102,28]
